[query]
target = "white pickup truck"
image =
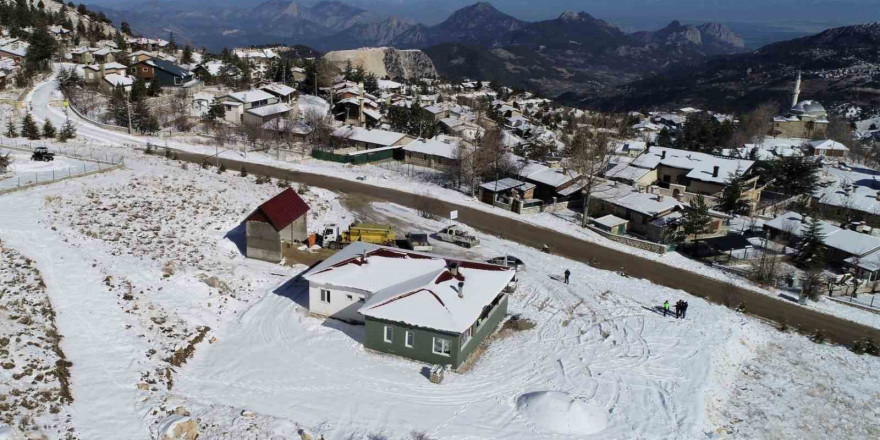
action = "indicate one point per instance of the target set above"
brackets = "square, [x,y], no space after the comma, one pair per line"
[459,235]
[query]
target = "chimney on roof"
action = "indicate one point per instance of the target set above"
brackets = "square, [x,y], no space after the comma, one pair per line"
[364,257]
[659,197]
[461,289]
[715,171]
[663,154]
[878,195]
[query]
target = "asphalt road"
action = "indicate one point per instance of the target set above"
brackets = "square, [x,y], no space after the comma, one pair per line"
[760,305]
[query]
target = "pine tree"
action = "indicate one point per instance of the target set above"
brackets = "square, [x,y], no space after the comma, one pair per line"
[125,28]
[155,88]
[664,139]
[117,108]
[10,129]
[811,245]
[138,90]
[187,56]
[732,201]
[49,131]
[67,132]
[143,119]
[29,128]
[216,111]
[696,219]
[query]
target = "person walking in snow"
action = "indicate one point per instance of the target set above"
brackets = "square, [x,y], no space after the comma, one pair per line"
[678,309]
[684,309]
[665,307]
[567,275]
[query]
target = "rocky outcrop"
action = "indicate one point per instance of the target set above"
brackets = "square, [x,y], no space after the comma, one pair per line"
[386,62]
[708,38]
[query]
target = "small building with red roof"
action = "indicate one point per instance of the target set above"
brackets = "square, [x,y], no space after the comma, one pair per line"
[279,222]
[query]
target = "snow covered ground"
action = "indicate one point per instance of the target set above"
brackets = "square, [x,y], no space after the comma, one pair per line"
[24,171]
[167,325]
[45,100]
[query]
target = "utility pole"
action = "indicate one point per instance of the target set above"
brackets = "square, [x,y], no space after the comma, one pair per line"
[128,111]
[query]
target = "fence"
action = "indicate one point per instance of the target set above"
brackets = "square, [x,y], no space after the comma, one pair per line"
[89,162]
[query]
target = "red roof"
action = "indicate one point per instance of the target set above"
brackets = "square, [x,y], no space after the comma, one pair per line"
[280,211]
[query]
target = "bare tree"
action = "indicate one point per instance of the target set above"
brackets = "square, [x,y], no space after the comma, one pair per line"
[588,155]
[5,161]
[319,123]
[180,108]
[491,159]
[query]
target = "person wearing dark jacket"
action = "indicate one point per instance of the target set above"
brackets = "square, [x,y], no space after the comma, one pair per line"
[684,310]
[567,275]
[678,309]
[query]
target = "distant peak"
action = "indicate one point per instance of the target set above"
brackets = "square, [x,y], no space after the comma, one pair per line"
[674,23]
[575,16]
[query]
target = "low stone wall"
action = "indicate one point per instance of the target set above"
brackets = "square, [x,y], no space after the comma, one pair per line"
[634,242]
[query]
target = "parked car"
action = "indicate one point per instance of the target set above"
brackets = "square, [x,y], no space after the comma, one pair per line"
[418,241]
[459,235]
[42,154]
[509,261]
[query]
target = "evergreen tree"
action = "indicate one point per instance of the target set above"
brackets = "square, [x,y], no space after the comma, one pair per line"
[155,89]
[732,201]
[143,119]
[40,50]
[216,111]
[811,245]
[29,128]
[794,175]
[49,131]
[696,219]
[125,28]
[10,129]
[138,90]
[664,139]
[68,131]
[371,83]
[117,108]
[187,56]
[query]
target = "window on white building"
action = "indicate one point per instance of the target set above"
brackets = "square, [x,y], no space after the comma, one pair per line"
[325,296]
[389,333]
[409,339]
[441,346]
[466,336]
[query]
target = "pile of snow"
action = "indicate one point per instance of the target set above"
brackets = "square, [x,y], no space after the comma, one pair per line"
[561,413]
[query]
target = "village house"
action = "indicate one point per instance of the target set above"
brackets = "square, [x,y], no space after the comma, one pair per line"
[419,306]
[462,128]
[141,55]
[284,93]
[360,138]
[110,82]
[827,148]
[146,44]
[638,208]
[433,153]
[844,248]
[94,73]
[510,194]
[857,201]
[630,148]
[239,103]
[15,53]
[166,73]
[553,183]
[685,175]
[266,114]
[278,223]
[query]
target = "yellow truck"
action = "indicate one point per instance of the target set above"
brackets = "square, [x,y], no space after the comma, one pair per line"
[333,238]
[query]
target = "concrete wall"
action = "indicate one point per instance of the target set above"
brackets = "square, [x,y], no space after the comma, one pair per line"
[798,129]
[263,242]
[344,303]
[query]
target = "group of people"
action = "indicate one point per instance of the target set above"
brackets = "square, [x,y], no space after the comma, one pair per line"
[681,308]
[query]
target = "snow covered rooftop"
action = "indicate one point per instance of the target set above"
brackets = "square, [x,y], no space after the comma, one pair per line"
[700,165]
[249,96]
[278,89]
[375,137]
[107,66]
[543,174]
[119,80]
[439,299]
[312,103]
[846,240]
[270,110]
[828,145]
[506,184]
[624,147]
[610,221]
[448,150]
[630,198]
[626,173]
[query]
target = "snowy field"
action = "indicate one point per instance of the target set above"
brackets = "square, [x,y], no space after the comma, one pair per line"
[24,171]
[168,326]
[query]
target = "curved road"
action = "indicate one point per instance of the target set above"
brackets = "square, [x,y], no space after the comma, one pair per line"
[837,329]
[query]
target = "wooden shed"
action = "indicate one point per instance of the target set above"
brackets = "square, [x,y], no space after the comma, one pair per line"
[279,222]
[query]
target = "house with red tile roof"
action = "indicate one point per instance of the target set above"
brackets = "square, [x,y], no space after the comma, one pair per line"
[279,222]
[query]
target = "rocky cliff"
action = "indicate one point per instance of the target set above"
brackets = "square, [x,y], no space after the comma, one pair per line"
[386,62]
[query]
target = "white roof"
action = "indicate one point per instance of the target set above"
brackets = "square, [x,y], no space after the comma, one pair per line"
[630,198]
[631,146]
[554,177]
[828,144]
[623,171]
[507,183]
[610,221]
[432,147]
[107,66]
[280,89]
[700,165]
[846,240]
[377,137]
[308,103]
[269,110]
[412,287]
[386,84]
[119,80]
[250,96]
